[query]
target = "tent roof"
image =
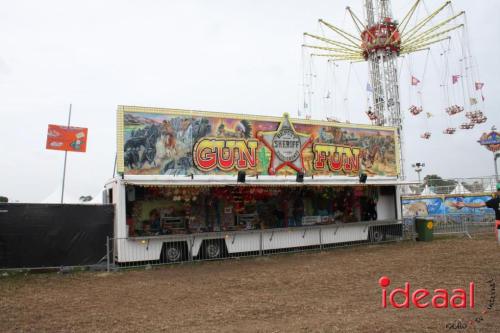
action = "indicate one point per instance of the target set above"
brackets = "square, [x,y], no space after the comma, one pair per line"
[490,187]
[55,197]
[460,189]
[427,191]
[96,199]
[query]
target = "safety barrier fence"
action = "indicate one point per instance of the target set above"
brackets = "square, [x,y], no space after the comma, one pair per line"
[466,224]
[167,249]
[455,186]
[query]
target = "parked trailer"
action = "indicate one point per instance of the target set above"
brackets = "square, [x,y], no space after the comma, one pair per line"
[224,243]
[196,184]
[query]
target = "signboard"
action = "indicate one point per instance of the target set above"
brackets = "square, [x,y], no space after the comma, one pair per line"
[67,138]
[440,205]
[153,141]
[491,141]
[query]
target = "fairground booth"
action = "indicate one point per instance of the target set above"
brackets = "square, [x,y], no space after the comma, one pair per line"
[188,172]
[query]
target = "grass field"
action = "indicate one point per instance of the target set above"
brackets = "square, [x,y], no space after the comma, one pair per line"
[331,291]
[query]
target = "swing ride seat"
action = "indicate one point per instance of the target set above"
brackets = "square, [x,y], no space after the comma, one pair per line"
[476,117]
[474,114]
[467,126]
[454,109]
[414,110]
[449,130]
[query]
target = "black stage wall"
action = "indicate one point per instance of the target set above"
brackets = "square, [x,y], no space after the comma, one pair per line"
[52,235]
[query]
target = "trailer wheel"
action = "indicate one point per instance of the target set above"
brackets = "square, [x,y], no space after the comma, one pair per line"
[214,249]
[173,252]
[377,235]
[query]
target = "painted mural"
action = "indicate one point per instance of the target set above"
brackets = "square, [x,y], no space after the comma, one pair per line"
[173,142]
[440,205]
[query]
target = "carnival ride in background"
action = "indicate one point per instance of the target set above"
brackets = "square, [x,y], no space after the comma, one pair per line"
[380,42]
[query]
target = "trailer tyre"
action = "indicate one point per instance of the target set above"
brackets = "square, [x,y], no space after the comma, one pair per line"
[173,252]
[214,249]
[377,235]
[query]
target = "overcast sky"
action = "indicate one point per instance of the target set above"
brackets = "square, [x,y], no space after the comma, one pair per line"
[241,56]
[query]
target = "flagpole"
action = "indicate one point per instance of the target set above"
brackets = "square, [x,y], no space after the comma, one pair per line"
[65,158]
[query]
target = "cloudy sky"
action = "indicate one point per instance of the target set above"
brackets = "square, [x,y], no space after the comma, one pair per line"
[241,56]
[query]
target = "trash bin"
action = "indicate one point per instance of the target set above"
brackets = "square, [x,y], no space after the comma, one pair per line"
[425,229]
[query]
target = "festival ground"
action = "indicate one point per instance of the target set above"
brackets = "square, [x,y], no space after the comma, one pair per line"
[331,291]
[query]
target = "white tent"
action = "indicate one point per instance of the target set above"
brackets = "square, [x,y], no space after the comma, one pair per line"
[460,189]
[427,191]
[96,199]
[490,188]
[406,189]
[55,197]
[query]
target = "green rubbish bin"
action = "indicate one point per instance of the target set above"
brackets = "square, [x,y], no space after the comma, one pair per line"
[425,229]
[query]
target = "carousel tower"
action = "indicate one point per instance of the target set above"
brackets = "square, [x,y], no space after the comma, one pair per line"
[381,45]
[380,41]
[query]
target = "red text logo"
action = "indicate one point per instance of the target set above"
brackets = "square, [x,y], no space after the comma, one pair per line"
[211,153]
[458,298]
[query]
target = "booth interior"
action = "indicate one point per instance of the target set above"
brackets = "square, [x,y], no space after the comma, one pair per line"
[164,210]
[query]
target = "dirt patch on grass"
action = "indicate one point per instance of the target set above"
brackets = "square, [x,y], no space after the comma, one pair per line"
[331,291]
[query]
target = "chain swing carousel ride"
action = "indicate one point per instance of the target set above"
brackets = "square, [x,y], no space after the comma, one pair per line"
[385,44]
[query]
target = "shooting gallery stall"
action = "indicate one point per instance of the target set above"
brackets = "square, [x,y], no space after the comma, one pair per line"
[189,172]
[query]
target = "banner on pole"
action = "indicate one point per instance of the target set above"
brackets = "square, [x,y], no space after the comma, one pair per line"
[67,138]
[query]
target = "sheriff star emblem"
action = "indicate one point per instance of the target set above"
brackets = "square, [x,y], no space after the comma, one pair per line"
[286,146]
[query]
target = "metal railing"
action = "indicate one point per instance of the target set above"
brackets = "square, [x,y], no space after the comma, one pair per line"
[168,249]
[455,186]
[467,224]
[464,223]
